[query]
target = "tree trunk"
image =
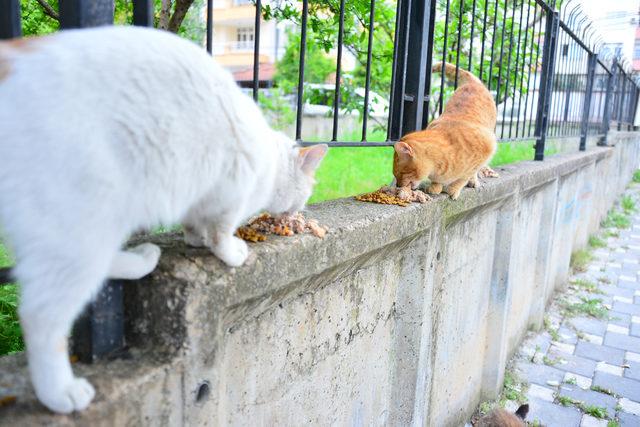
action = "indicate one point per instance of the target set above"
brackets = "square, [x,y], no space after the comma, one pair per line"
[180,11]
[165,13]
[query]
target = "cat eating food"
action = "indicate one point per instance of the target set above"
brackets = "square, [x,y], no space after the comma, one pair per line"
[109,130]
[454,147]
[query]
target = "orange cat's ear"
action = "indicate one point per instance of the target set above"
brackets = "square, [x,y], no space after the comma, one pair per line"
[403,149]
[310,157]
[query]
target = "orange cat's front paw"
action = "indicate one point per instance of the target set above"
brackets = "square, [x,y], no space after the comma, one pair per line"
[487,172]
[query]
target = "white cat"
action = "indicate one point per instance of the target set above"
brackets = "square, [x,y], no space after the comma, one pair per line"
[109,130]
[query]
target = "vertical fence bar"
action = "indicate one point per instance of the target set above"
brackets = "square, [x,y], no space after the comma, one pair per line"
[210,26]
[546,82]
[85,13]
[336,95]
[256,50]
[303,50]
[367,84]
[99,331]
[621,101]
[409,101]
[606,117]
[143,13]
[586,108]
[10,25]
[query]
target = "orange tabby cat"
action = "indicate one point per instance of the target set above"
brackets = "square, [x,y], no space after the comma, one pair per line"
[502,418]
[451,150]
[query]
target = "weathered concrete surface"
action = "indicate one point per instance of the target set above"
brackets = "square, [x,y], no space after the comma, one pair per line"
[399,316]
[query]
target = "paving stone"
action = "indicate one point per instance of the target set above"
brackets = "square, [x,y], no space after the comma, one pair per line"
[539,392]
[623,299]
[633,371]
[581,381]
[624,307]
[539,374]
[610,369]
[622,386]
[629,406]
[589,325]
[599,353]
[590,397]
[589,421]
[628,284]
[575,364]
[624,342]
[616,329]
[630,356]
[562,347]
[620,319]
[634,329]
[546,413]
[628,420]
[617,291]
[594,339]
[568,335]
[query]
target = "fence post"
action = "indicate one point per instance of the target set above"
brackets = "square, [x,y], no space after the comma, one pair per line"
[591,71]
[10,26]
[621,101]
[546,82]
[412,67]
[143,13]
[99,331]
[606,117]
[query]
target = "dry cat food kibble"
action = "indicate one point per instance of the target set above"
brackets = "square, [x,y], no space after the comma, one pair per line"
[282,226]
[388,195]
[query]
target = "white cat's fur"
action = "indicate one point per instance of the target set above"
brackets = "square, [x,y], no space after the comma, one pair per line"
[110,130]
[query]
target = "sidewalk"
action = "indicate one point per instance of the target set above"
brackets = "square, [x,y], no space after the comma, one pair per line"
[583,369]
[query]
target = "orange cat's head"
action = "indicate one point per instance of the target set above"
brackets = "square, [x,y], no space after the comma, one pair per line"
[408,170]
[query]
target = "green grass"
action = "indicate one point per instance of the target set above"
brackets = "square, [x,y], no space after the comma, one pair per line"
[636,176]
[347,171]
[616,219]
[588,306]
[10,333]
[587,286]
[603,390]
[628,204]
[596,242]
[595,411]
[566,401]
[613,423]
[580,259]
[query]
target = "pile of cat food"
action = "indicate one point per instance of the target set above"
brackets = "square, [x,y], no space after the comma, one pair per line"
[388,195]
[257,228]
[487,172]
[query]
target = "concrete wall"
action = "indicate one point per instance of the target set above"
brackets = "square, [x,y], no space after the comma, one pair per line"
[400,316]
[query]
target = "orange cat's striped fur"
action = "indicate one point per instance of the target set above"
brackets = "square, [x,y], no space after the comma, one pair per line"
[451,150]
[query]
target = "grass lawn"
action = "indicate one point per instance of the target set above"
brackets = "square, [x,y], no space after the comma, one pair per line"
[10,334]
[347,171]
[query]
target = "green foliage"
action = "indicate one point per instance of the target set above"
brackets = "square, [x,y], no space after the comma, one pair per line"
[275,106]
[35,21]
[10,333]
[566,401]
[549,328]
[595,411]
[616,219]
[516,151]
[628,204]
[588,306]
[636,176]
[613,423]
[580,259]
[596,242]
[587,286]
[572,381]
[551,362]
[603,390]
[317,67]
[514,387]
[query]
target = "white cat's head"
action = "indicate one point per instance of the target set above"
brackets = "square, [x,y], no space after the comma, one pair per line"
[296,177]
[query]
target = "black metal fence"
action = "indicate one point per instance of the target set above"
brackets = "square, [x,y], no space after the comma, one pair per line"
[541,64]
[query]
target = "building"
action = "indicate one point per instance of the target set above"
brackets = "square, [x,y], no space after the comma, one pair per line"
[234,36]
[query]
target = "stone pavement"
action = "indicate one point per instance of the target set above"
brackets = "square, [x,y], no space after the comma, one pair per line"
[583,369]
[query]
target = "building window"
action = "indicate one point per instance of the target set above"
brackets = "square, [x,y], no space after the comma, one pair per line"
[242,2]
[244,38]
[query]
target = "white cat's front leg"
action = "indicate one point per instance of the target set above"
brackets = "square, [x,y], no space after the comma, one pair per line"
[232,250]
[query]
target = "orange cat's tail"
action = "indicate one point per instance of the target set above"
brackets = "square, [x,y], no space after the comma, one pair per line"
[450,72]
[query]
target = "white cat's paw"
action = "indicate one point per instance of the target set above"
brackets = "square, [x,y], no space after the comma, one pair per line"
[150,253]
[233,251]
[73,396]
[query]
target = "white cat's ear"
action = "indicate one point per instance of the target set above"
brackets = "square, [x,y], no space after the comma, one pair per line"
[403,149]
[310,157]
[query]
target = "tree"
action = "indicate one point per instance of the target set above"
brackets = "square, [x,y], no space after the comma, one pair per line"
[41,17]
